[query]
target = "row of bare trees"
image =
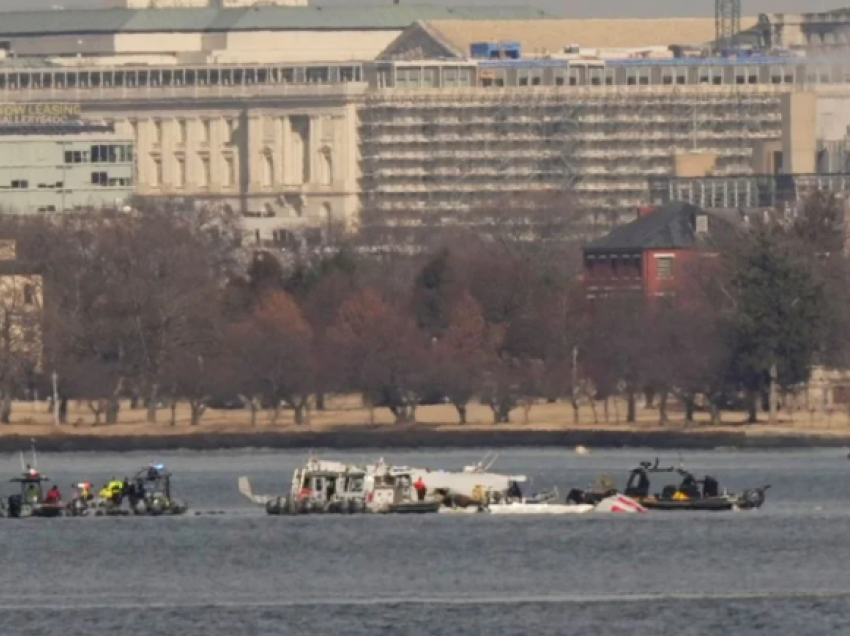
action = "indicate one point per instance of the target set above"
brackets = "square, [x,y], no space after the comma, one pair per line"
[163,305]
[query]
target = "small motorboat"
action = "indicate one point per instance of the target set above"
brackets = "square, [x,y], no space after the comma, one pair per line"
[689,494]
[152,494]
[31,500]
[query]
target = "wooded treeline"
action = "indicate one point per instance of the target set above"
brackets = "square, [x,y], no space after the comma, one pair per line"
[163,305]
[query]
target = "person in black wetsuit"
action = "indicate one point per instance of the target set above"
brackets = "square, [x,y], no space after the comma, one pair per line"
[514,492]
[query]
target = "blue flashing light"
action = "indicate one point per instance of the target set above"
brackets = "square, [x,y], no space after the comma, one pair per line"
[159,466]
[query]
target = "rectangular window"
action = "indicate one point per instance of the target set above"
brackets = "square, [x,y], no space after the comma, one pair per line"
[229,172]
[156,176]
[181,131]
[665,267]
[205,131]
[100,178]
[180,172]
[204,176]
[157,131]
[20,184]
[29,294]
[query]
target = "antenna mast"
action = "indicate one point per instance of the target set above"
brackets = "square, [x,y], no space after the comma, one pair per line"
[727,22]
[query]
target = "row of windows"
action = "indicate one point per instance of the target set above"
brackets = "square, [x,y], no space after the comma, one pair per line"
[180,77]
[97,178]
[103,179]
[626,267]
[410,77]
[614,75]
[101,153]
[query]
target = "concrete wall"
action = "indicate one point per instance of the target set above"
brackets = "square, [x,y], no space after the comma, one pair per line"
[833,117]
[157,4]
[309,46]
[235,47]
[799,132]
[64,45]
[694,164]
[158,42]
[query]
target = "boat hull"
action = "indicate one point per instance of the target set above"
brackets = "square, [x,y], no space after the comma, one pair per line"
[539,509]
[704,505]
[414,508]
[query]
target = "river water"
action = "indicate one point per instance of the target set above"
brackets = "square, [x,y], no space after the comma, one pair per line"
[780,570]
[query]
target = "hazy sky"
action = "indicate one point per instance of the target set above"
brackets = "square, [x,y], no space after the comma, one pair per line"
[567,8]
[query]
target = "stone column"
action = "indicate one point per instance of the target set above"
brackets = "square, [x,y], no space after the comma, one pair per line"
[313,145]
[253,147]
[286,149]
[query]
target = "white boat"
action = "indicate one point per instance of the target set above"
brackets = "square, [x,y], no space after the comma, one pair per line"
[331,486]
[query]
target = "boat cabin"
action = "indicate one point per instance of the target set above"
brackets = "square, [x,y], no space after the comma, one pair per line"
[323,481]
[689,487]
[32,491]
[155,480]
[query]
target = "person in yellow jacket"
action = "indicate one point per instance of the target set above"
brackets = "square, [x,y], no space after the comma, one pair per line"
[105,493]
[116,491]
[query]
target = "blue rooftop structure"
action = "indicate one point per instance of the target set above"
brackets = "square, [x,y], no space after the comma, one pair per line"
[496,50]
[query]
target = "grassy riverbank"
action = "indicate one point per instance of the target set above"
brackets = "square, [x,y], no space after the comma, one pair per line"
[346,424]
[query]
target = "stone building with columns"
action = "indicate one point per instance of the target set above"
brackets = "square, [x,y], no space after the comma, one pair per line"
[284,161]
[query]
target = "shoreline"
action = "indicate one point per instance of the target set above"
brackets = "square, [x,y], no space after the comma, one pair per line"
[384,437]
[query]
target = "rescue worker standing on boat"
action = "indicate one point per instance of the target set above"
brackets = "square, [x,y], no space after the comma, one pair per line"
[421,488]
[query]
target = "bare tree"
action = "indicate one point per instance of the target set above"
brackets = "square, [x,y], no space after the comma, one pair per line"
[381,353]
[275,354]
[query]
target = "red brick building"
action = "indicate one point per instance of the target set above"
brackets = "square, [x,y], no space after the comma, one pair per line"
[654,254]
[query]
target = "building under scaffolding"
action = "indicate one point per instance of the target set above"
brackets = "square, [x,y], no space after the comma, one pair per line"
[298,146]
[448,151]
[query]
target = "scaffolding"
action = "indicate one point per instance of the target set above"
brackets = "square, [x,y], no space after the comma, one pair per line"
[727,17]
[443,152]
[446,152]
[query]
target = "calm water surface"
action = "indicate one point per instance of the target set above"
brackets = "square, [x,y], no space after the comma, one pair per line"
[782,570]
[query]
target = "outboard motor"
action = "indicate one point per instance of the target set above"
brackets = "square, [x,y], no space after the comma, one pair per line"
[15,506]
[753,497]
[575,496]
